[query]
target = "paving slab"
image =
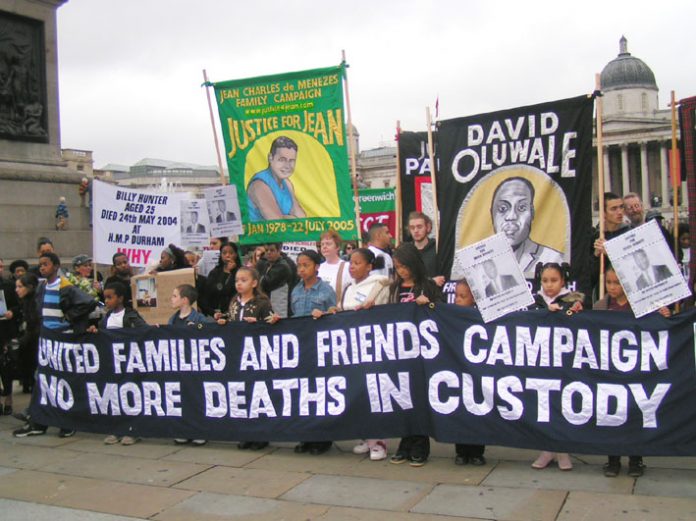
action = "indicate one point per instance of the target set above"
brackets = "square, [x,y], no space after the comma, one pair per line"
[148,448]
[667,482]
[612,507]
[358,492]
[23,456]
[332,462]
[217,454]
[111,497]
[6,470]
[503,504]
[244,482]
[218,507]
[20,510]
[582,477]
[127,469]
[360,514]
[436,470]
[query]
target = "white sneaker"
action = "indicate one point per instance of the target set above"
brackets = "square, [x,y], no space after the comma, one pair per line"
[378,452]
[361,448]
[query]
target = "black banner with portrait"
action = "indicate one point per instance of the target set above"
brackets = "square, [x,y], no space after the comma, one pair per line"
[415,173]
[526,173]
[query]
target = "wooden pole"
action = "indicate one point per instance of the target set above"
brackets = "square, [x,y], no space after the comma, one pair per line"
[399,208]
[223,179]
[600,177]
[675,181]
[351,149]
[433,181]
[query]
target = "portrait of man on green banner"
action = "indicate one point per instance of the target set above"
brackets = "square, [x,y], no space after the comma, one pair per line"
[286,146]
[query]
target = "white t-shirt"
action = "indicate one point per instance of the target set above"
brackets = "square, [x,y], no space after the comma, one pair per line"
[329,273]
[115,320]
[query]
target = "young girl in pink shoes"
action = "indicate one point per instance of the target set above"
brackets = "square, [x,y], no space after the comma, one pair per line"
[554,296]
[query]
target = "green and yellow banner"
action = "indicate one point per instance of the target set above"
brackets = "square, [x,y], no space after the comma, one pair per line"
[286,148]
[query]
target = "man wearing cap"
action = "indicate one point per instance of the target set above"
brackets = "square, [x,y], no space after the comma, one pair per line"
[81,276]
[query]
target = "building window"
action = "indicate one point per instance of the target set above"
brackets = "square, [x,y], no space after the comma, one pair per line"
[619,100]
[644,101]
[80,167]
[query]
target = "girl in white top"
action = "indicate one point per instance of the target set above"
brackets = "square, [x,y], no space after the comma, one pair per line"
[333,270]
[363,292]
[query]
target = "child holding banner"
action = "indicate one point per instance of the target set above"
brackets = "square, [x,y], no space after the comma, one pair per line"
[363,292]
[249,305]
[118,316]
[412,285]
[616,300]
[183,298]
[312,296]
[467,452]
[554,296]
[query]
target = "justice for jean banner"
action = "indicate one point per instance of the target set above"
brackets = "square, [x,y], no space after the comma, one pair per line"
[597,382]
[286,148]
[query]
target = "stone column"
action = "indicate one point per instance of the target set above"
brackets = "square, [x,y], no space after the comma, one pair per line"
[625,185]
[644,176]
[664,174]
[607,172]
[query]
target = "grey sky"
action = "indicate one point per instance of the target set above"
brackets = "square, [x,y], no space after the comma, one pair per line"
[130,70]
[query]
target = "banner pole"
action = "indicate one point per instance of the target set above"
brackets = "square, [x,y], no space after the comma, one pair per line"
[433,181]
[600,176]
[676,177]
[399,208]
[351,149]
[223,180]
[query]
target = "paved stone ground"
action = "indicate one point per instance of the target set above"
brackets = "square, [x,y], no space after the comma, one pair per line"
[80,478]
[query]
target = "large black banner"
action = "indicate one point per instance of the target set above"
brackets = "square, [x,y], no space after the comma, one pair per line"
[524,172]
[415,174]
[595,382]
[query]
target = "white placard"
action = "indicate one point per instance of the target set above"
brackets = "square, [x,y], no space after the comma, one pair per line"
[494,276]
[138,223]
[293,249]
[195,228]
[209,259]
[3,305]
[223,211]
[646,269]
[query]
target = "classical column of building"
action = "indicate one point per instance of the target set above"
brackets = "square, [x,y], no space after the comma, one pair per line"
[644,179]
[625,184]
[664,174]
[607,170]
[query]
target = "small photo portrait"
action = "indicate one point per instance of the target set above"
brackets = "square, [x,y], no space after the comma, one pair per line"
[146,292]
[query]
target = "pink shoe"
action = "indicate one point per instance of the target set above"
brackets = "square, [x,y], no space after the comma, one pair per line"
[564,462]
[543,460]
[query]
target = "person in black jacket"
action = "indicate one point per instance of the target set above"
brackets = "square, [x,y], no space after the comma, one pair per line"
[8,331]
[30,328]
[117,317]
[277,278]
[412,284]
[61,307]
[218,288]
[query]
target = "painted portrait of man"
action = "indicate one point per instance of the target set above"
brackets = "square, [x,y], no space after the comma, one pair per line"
[512,213]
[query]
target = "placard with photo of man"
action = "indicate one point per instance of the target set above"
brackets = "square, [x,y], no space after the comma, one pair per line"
[646,269]
[194,223]
[495,278]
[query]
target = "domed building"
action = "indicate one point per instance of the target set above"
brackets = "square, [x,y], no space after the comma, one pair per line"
[637,134]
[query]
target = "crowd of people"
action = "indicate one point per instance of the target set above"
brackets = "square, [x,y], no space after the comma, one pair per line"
[264,284]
